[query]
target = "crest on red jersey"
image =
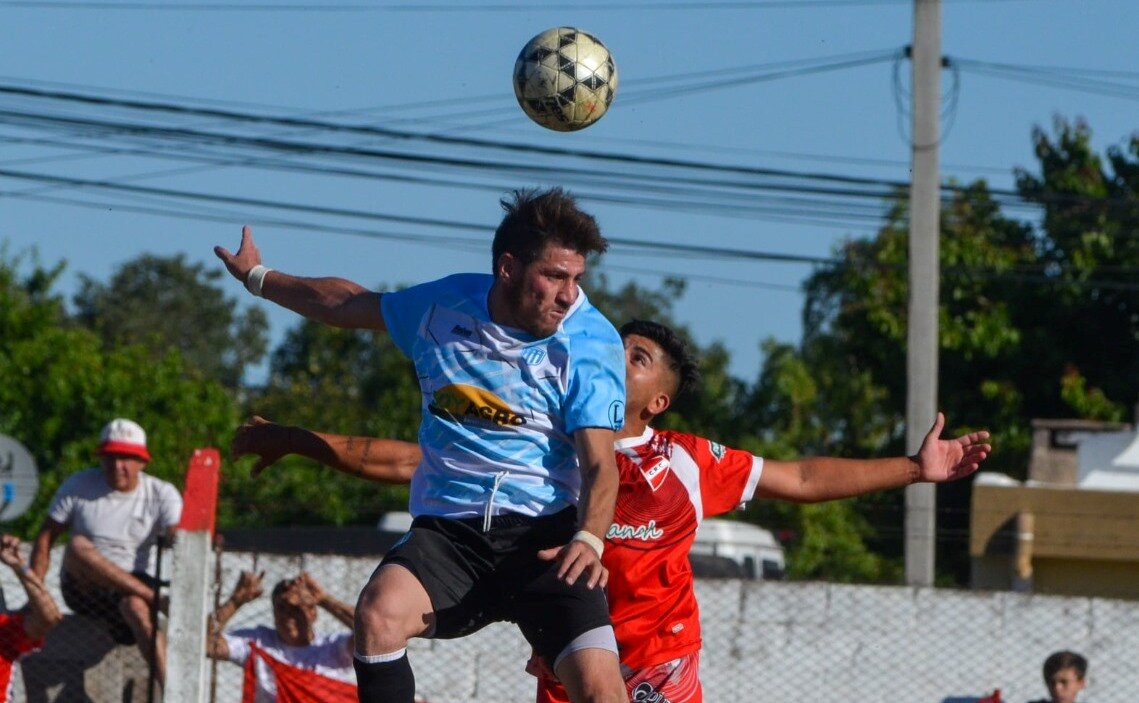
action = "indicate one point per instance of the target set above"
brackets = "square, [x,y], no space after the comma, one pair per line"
[656,464]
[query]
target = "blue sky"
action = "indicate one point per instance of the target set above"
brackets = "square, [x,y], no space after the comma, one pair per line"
[444,69]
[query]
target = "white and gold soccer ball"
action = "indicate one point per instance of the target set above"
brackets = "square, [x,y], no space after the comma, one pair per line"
[565,79]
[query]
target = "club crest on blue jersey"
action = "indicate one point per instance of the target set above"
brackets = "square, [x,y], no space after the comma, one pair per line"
[533,356]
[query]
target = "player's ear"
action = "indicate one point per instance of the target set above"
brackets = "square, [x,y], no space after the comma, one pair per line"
[659,403]
[506,268]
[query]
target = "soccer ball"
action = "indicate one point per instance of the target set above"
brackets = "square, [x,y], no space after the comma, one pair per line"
[564,79]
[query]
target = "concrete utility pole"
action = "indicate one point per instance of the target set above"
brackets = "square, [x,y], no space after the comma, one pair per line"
[921,350]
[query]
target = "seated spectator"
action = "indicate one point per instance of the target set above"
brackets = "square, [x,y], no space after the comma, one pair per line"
[23,630]
[292,639]
[1064,675]
[116,514]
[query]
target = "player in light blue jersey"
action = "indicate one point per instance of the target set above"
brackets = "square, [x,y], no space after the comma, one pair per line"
[523,388]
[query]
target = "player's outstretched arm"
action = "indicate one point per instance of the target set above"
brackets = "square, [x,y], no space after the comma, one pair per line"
[371,458]
[816,479]
[333,301]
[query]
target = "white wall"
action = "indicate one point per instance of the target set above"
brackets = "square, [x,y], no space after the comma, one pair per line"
[785,642]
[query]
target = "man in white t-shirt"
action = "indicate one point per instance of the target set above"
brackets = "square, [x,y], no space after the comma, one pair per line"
[115,514]
[292,639]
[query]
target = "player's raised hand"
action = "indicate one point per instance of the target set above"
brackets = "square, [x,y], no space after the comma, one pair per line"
[267,440]
[10,551]
[575,560]
[950,459]
[247,256]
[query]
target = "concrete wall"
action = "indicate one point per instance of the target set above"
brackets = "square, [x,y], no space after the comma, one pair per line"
[770,641]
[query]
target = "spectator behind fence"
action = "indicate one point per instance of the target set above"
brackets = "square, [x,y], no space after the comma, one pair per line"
[292,639]
[23,630]
[1064,675]
[116,514]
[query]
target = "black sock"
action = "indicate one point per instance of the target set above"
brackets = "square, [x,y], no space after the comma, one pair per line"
[385,682]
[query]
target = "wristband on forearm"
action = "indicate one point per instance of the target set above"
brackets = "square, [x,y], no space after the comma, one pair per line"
[256,278]
[592,540]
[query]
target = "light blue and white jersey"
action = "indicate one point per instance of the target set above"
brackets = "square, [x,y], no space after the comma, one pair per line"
[499,406]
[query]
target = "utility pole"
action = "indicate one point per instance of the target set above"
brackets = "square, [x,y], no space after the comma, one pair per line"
[924,275]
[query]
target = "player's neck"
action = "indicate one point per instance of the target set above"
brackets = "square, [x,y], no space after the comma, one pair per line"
[497,305]
[634,427]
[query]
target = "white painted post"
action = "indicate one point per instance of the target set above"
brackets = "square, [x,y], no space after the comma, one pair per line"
[190,583]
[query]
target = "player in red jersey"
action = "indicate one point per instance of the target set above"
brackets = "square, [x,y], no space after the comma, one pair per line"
[670,481]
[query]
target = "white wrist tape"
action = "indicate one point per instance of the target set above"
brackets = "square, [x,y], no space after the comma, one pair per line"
[256,278]
[592,540]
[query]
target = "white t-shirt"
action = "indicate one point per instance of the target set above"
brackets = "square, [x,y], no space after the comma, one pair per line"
[123,526]
[328,655]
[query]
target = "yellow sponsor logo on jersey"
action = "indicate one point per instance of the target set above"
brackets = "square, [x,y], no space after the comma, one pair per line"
[462,402]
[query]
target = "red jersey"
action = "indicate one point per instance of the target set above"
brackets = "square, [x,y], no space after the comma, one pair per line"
[14,641]
[670,481]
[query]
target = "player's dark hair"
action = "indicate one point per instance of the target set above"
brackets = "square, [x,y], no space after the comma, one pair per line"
[536,218]
[1064,659]
[680,358]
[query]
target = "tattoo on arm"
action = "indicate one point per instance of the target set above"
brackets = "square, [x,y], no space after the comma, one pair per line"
[364,458]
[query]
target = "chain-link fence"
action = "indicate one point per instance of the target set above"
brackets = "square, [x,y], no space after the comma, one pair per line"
[763,641]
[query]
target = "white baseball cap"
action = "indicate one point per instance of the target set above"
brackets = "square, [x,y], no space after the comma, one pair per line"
[122,436]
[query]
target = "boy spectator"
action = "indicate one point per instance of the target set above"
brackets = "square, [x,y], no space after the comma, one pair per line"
[1064,675]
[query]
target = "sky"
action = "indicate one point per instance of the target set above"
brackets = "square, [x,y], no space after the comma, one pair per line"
[735,90]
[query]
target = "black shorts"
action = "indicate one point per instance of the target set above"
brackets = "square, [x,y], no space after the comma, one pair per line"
[100,603]
[475,578]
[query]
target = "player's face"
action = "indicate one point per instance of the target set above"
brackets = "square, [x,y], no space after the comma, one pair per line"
[648,377]
[121,470]
[540,295]
[1065,685]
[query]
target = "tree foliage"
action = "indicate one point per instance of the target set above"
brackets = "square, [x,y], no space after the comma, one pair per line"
[164,303]
[339,381]
[1037,319]
[59,384]
[1034,321]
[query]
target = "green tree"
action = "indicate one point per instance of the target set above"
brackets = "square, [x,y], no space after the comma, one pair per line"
[711,408]
[59,384]
[1035,321]
[829,539]
[165,303]
[332,380]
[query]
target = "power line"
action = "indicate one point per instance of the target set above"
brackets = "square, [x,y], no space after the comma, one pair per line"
[1083,80]
[708,195]
[386,110]
[641,247]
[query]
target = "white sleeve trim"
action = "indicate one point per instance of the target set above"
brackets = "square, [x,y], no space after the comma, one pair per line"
[753,479]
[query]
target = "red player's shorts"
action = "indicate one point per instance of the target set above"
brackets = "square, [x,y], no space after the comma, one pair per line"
[676,681]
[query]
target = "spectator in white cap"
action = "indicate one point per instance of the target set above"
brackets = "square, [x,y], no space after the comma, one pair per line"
[115,514]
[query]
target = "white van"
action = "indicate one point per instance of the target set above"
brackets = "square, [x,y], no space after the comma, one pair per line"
[723,548]
[395,522]
[753,550]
